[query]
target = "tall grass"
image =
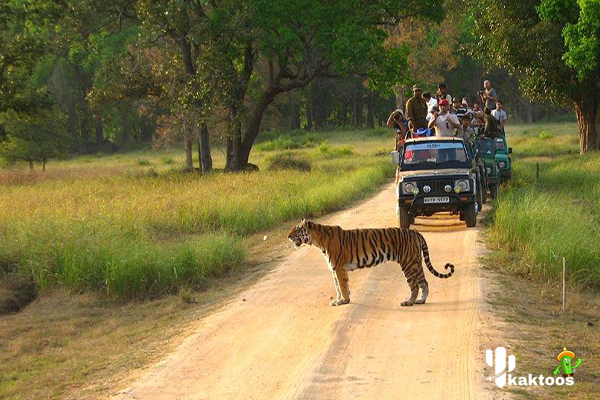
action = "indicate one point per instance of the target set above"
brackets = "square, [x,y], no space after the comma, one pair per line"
[148,234]
[537,222]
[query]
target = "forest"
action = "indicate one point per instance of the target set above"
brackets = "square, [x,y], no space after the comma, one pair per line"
[79,77]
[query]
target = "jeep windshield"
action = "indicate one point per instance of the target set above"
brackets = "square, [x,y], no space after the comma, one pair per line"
[485,146]
[499,144]
[434,155]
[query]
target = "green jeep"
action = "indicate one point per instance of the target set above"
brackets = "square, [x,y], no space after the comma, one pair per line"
[487,151]
[503,158]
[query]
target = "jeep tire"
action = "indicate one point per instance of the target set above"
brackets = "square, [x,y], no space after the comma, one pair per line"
[494,190]
[470,215]
[404,217]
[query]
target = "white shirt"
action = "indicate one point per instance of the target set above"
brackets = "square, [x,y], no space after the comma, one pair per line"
[500,115]
[430,104]
[443,124]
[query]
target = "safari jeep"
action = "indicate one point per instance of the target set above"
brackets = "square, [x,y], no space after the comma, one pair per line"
[503,158]
[436,175]
[487,151]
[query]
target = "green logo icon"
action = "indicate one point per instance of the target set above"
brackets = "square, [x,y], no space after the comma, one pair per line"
[566,363]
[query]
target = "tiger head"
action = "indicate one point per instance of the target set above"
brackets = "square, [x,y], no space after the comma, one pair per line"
[300,234]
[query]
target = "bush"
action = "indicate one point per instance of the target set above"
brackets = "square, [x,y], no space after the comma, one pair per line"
[288,160]
[326,149]
[543,135]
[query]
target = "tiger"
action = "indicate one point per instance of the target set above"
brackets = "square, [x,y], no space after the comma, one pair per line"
[346,250]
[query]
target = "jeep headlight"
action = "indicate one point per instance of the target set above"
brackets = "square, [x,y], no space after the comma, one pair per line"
[462,185]
[502,164]
[410,188]
[488,170]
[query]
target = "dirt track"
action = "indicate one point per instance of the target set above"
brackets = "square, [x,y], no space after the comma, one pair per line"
[285,341]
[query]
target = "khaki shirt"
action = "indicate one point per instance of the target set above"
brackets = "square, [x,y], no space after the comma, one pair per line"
[416,111]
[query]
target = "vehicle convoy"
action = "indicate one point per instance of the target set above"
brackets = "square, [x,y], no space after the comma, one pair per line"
[437,174]
[503,159]
[487,152]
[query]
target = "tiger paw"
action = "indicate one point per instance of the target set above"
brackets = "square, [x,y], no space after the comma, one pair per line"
[420,302]
[339,302]
[406,303]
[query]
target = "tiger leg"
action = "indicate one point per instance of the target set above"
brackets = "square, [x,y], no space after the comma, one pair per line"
[424,291]
[411,273]
[342,280]
[336,284]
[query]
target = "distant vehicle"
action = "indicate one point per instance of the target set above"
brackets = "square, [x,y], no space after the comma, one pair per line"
[503,158]
[437,174]
[487,151]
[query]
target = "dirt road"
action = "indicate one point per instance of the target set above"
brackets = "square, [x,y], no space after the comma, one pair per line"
[280,339]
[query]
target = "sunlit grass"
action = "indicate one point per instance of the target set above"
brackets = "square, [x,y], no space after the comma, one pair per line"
[133,226]
[537,222]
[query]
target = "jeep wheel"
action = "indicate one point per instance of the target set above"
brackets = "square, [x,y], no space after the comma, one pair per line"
[483,190]
[405,218]
[494,190]
[470,215]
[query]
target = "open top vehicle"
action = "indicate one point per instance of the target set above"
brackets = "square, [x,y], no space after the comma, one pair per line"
[487,151]
[503,158]
[437,174]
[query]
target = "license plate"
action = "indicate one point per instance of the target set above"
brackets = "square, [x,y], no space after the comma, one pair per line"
[443,199]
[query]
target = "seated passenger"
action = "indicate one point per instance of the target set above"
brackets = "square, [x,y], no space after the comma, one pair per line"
[465,131]
[491,124]
[398,122]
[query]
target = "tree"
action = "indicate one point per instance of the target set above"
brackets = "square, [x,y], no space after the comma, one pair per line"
[33,138]
[554,48]
[324,39]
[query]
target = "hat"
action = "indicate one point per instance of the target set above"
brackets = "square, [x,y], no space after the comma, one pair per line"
[565,352]
[416,87]
[443,102]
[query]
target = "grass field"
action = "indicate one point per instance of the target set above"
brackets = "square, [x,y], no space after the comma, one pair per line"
[134,226]
[131,226]
[537,222]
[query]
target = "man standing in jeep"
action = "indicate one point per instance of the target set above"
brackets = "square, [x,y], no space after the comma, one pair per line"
[416,110]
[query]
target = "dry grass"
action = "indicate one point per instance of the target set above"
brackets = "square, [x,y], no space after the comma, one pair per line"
[536,332]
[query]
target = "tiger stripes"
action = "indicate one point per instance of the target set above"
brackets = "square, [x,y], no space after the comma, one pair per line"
[346,250]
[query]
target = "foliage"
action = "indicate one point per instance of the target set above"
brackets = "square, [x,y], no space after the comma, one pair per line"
[33,138]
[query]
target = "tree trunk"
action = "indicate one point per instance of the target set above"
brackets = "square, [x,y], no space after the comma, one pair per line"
[44,165]
[31,165]
[99,128]
[235,161]
[205,158]
[253,126]
[294,112]
[370,119]
[308,109]
[587,115]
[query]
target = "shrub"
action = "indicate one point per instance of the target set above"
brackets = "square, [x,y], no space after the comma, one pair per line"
[288,160]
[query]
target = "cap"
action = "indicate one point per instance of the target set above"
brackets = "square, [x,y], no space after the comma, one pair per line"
[443,102]
[416,87]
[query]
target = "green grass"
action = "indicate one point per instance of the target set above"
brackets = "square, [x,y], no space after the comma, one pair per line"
[112,224]
[537,222]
